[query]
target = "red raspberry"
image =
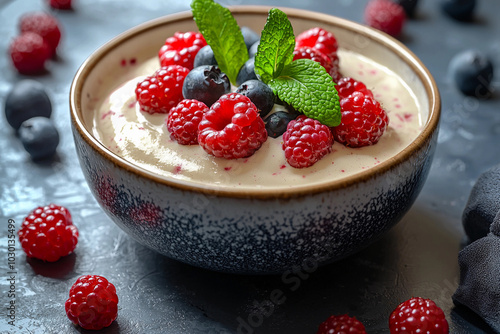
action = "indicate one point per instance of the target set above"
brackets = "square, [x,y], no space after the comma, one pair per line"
[44,25]
[317,56]
[48,233]
[335,71]
[181,49]
[306,141]
[346,86]
[183,120]
[339,324]
[363,121]
[60,4]
[29,52]
[385,15]
[418,315]
[92,302]
[232,128]
[319,39]
[161,91]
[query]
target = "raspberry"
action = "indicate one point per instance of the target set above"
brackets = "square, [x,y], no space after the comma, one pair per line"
[161,91]
[181,49]
[418,315]
[29,52]
[232,128]
[183,120]
[319,39]
[346,86]
[338,324]
[306,141]
[317,56]
[363,121]
[92,302]
[335,71]
[44,25]
[60,4]
[48,233]
[386,16]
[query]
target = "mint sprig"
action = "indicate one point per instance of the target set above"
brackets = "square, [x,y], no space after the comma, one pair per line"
[302,83]
[222,33]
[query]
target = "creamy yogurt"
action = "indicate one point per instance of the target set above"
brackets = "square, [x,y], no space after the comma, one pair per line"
[143,139]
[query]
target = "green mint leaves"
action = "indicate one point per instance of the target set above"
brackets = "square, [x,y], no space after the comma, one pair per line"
[222,33]
[303,83]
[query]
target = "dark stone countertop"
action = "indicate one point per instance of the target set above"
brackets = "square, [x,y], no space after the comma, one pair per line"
[157,295]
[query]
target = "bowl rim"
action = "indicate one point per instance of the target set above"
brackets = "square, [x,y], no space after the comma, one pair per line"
[387,41]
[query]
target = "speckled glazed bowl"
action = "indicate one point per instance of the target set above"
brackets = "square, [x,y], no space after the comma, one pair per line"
[253,231]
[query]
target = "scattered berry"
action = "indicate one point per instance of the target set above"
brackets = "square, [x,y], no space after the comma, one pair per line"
[206,84]
[183,120]
[363,121]
[247,72]
[205,57]
[418,315]
[346,86]
[60,4]
[277,122]
[44,25]
[340,324]
[319,39]
[29,52]
[92,302]
[181,49]
[252,51]
[249,36]
[48,233]
[386,16]
[259,93]
[161,91]
[232,128]
[306,141]
[317,56]
[39,137]
[462,10]
[472,72]
[408,5]
[25,100]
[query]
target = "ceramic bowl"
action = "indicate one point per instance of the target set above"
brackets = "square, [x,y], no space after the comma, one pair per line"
[253,231]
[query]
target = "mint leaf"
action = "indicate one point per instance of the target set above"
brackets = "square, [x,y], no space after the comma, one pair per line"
[222,33]
[307,86]
[275,50]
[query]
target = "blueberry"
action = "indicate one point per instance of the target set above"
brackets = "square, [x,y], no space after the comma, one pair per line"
[247,72]
[205,57]
[461,10]
[252,51]
[249,36]
[472,72]
[277,122]
[25,100]
[39,137]
[408,5]
[259,93]
[206,84]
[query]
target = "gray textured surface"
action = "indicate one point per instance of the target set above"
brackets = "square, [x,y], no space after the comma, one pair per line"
[157,295]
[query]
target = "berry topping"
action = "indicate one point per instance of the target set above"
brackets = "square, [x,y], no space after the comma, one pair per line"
[205,57]
[247,72]
[346,86]
[319,39]
[232,128]
[462,10]
[92,302]
[39,137]
[306,141]
[249,36]
[363,121]
[418,315]
[44,25]
[29,52]
[161,91]
[340,324]
[386,16]
[253,49]
[25,100]
[277,122]
[317,56]
[206,84]
[60,4]
[183,120]
[48,233]
[181,49]
[408,5]
[472,72]
[259,93]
